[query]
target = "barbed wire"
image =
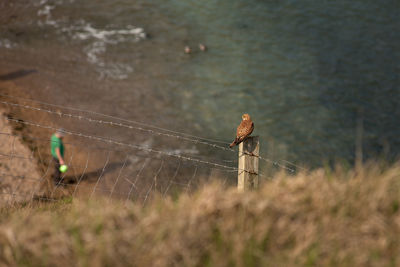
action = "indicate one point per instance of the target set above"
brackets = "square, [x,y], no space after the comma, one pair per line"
[11,159]
[69,115]
[163,189]
[119,175]
[83,173]
[101,175]
[35,189]
[59,183]
[117,118]
[169,183]
[36,197]
[194,175]
[292,164]
[133,185]
[196,141]
[144,194]
[90,147]
[153,183]
[39,180]
[371,107]
[155,151]
[84,166]
[15,156]
[116,142]
[272,162]
[63,175]
[95,188]
[201,158]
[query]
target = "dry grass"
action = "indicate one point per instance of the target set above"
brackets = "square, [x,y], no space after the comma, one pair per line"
[314,219]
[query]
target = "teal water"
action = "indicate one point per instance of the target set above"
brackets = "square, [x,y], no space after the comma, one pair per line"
[306,71]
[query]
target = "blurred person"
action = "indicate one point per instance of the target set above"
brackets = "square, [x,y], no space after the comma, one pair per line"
[57,151]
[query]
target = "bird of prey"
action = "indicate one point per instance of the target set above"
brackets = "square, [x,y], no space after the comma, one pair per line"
[244,129]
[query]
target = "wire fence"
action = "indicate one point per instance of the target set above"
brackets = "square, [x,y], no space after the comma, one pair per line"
[168,133]
[100,165]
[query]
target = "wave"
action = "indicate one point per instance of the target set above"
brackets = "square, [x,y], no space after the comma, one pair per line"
[5,43]
[94,40]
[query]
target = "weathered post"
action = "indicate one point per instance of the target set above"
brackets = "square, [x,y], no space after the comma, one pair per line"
[248,164]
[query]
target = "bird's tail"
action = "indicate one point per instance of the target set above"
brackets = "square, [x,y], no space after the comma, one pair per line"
[234,143]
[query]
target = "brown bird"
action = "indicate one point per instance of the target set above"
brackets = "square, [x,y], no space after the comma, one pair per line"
[244,129]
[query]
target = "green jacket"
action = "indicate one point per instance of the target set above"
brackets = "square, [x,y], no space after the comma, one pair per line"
[56,142]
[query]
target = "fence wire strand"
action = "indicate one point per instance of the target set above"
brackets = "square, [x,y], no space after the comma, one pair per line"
[116,142]
[101,175]
[199,140]
[116,118]
[133,185]
[164,179]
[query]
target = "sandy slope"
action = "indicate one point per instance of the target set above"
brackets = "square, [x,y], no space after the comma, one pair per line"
[20,178]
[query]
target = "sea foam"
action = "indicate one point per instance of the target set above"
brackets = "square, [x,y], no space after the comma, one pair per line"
[94,40]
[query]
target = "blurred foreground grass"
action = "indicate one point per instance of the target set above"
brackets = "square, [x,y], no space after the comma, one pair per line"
[327,218]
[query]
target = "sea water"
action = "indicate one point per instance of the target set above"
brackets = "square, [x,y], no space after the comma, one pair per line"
[310,73]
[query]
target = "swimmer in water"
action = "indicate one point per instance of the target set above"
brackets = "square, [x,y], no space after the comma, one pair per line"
[187,50]
[202,47]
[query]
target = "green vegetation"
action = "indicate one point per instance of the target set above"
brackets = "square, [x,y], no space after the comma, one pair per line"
[336,218]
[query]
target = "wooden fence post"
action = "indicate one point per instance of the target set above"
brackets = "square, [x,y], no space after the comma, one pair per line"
[248,164]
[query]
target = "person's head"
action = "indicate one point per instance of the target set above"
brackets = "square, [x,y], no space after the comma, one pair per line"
[60,133]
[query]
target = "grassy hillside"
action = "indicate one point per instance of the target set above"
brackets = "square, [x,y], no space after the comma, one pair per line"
[319,218]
